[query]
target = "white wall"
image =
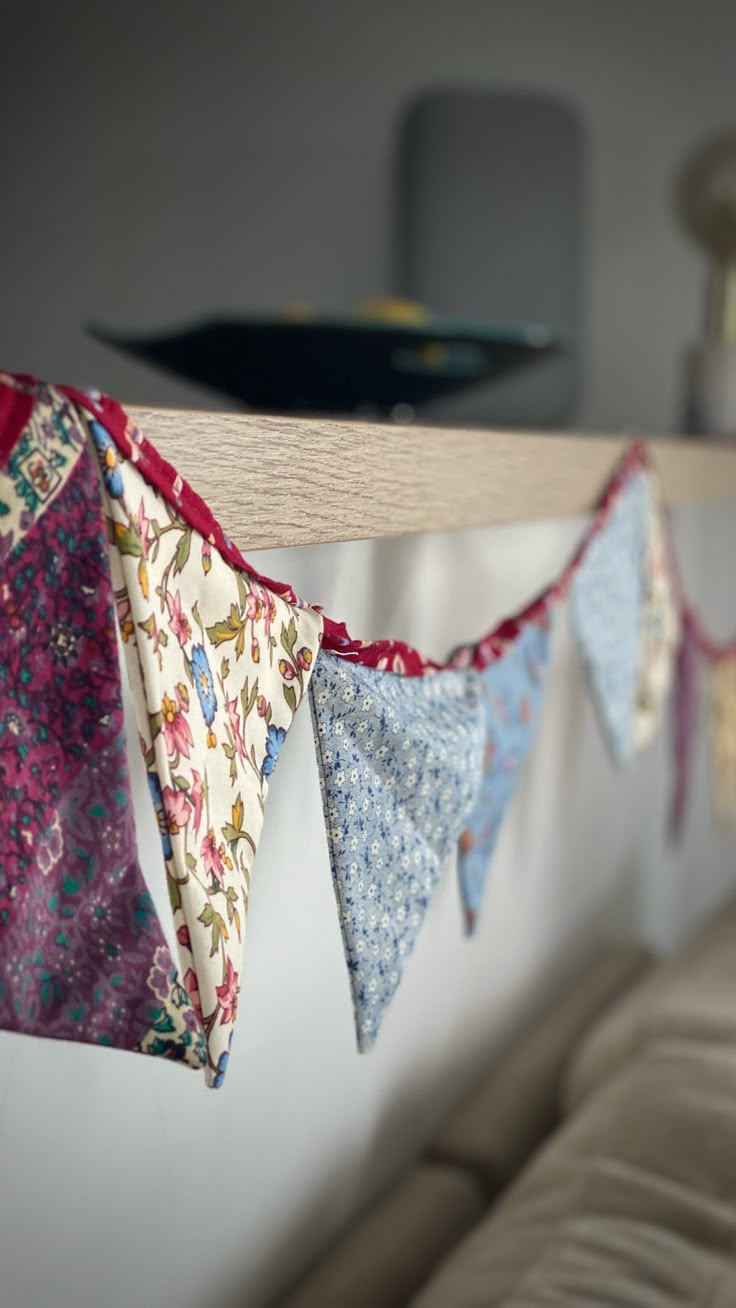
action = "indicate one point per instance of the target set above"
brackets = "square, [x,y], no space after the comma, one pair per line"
[163,160]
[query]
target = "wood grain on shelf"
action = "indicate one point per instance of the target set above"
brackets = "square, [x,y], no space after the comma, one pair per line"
[291,481]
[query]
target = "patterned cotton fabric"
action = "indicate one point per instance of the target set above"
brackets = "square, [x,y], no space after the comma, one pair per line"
[219,665]
[606,603]
[513,688]
[660,620]
[684,723]
[400,765]
[82,953]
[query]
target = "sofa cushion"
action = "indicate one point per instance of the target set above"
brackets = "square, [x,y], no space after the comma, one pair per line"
[632,1204]
[517,1104]
[691,996]
[392,1250]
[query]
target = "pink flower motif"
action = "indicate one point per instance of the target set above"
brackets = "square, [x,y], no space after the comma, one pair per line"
[143,525]
[184,937]
[191,985]
[175,727]
[179,624]
[262,706]
[211,857]
[177,809]
[206,557]
[253,606]
[125,619]
[135,440]
[234,719]
[287,670]
[196,794]
[227,995]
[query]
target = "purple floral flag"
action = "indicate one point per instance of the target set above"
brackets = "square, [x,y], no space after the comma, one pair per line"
[684,723]
[82,953]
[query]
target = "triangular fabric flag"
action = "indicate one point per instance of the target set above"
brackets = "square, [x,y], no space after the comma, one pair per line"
[218,665]
[606,603]
[723,737]
[400,762]
[660,619]
[684,722]
[83,956]
[513,688]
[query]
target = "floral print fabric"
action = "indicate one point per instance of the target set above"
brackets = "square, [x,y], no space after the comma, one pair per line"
[38,464]
[606,601]
[82,953]
[219,665]
[513,688]
[400,765]
[660,621]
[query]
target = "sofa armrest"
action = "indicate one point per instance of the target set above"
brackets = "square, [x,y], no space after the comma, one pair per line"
[392,1250]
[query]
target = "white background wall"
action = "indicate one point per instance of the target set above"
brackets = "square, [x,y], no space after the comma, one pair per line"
[161,160]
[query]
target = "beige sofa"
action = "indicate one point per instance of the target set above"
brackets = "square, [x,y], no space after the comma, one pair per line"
[595,1166]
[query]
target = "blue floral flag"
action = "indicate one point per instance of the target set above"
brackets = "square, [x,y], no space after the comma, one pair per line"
[400,762]
[607,595]
[513,688]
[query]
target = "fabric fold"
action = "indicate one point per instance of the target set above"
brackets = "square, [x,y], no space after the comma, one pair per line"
[82,953]
[606,598]
[684,724]
[218,665]
[513,690]
[659,618]
[400,762]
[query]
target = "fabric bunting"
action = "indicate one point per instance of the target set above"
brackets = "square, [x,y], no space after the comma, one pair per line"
[218,666]
[684,722]
[606,600]
[512,688]
[659,620]
[82,953]
[400,764]
[417,759]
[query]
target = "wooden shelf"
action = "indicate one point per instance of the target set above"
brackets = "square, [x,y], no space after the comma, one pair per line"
[290,481]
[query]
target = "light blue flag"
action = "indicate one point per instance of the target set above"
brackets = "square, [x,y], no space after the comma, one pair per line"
[400,762]
[513,688]
[606,599]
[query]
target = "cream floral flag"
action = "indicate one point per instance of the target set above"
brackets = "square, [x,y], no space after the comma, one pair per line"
[659,620]
[219,665]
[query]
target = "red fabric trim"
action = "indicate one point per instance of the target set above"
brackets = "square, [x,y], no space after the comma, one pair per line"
[16,407]
[390,655]
[713,651]
[16,403]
